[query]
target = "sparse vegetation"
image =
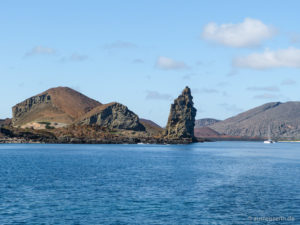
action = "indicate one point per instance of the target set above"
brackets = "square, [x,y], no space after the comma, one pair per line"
[49,127]
[44,122]
[47,124]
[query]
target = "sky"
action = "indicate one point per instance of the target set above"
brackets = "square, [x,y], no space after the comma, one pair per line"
[234,55]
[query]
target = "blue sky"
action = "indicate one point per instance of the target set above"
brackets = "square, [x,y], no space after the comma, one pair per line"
[234,55]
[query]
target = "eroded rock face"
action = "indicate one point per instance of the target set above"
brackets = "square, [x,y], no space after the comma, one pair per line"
[22,109]
[182,115]
[113,116]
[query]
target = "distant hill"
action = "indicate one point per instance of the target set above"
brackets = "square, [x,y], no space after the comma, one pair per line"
[151,127]
[150,122]
[283,120]
[205,122]
[61,104]
[205,132]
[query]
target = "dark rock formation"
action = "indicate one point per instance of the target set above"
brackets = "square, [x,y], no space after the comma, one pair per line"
[283,120]
[60,104]
[181,119]
[5,122]
[205,122]
[16,135]
[114,116]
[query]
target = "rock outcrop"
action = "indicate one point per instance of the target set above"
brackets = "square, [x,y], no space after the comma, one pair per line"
[182,115]
[62,104]
[114,116]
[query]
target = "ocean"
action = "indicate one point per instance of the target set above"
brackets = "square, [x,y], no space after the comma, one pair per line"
[203,183]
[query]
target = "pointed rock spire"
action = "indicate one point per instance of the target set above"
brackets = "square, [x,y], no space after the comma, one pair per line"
[182,115]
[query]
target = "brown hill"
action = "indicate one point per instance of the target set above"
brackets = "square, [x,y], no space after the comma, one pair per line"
[61,104]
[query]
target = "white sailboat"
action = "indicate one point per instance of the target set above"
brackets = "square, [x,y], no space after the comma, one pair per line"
[269,141]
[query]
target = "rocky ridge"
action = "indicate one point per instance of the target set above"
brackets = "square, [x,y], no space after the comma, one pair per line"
[282,119]
[114,116]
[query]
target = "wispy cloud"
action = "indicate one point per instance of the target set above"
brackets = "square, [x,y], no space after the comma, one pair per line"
[232,72]
[138,61]
[295,38]
[40,50]
[289,57]
[166,63]
[78,57]
[222,84]
[187,77]
[207,90]
[75,57]
[199,63]
[119,45]
[251,32]
[154,95]
[224,94]
[266,88]
[266,96]
[288,82]
[231,107]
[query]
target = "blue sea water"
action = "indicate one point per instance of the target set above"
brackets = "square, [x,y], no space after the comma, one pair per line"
[204,183]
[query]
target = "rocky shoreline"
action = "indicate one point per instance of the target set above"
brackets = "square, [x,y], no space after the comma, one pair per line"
[86,134]
[7,140]
[128,140]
